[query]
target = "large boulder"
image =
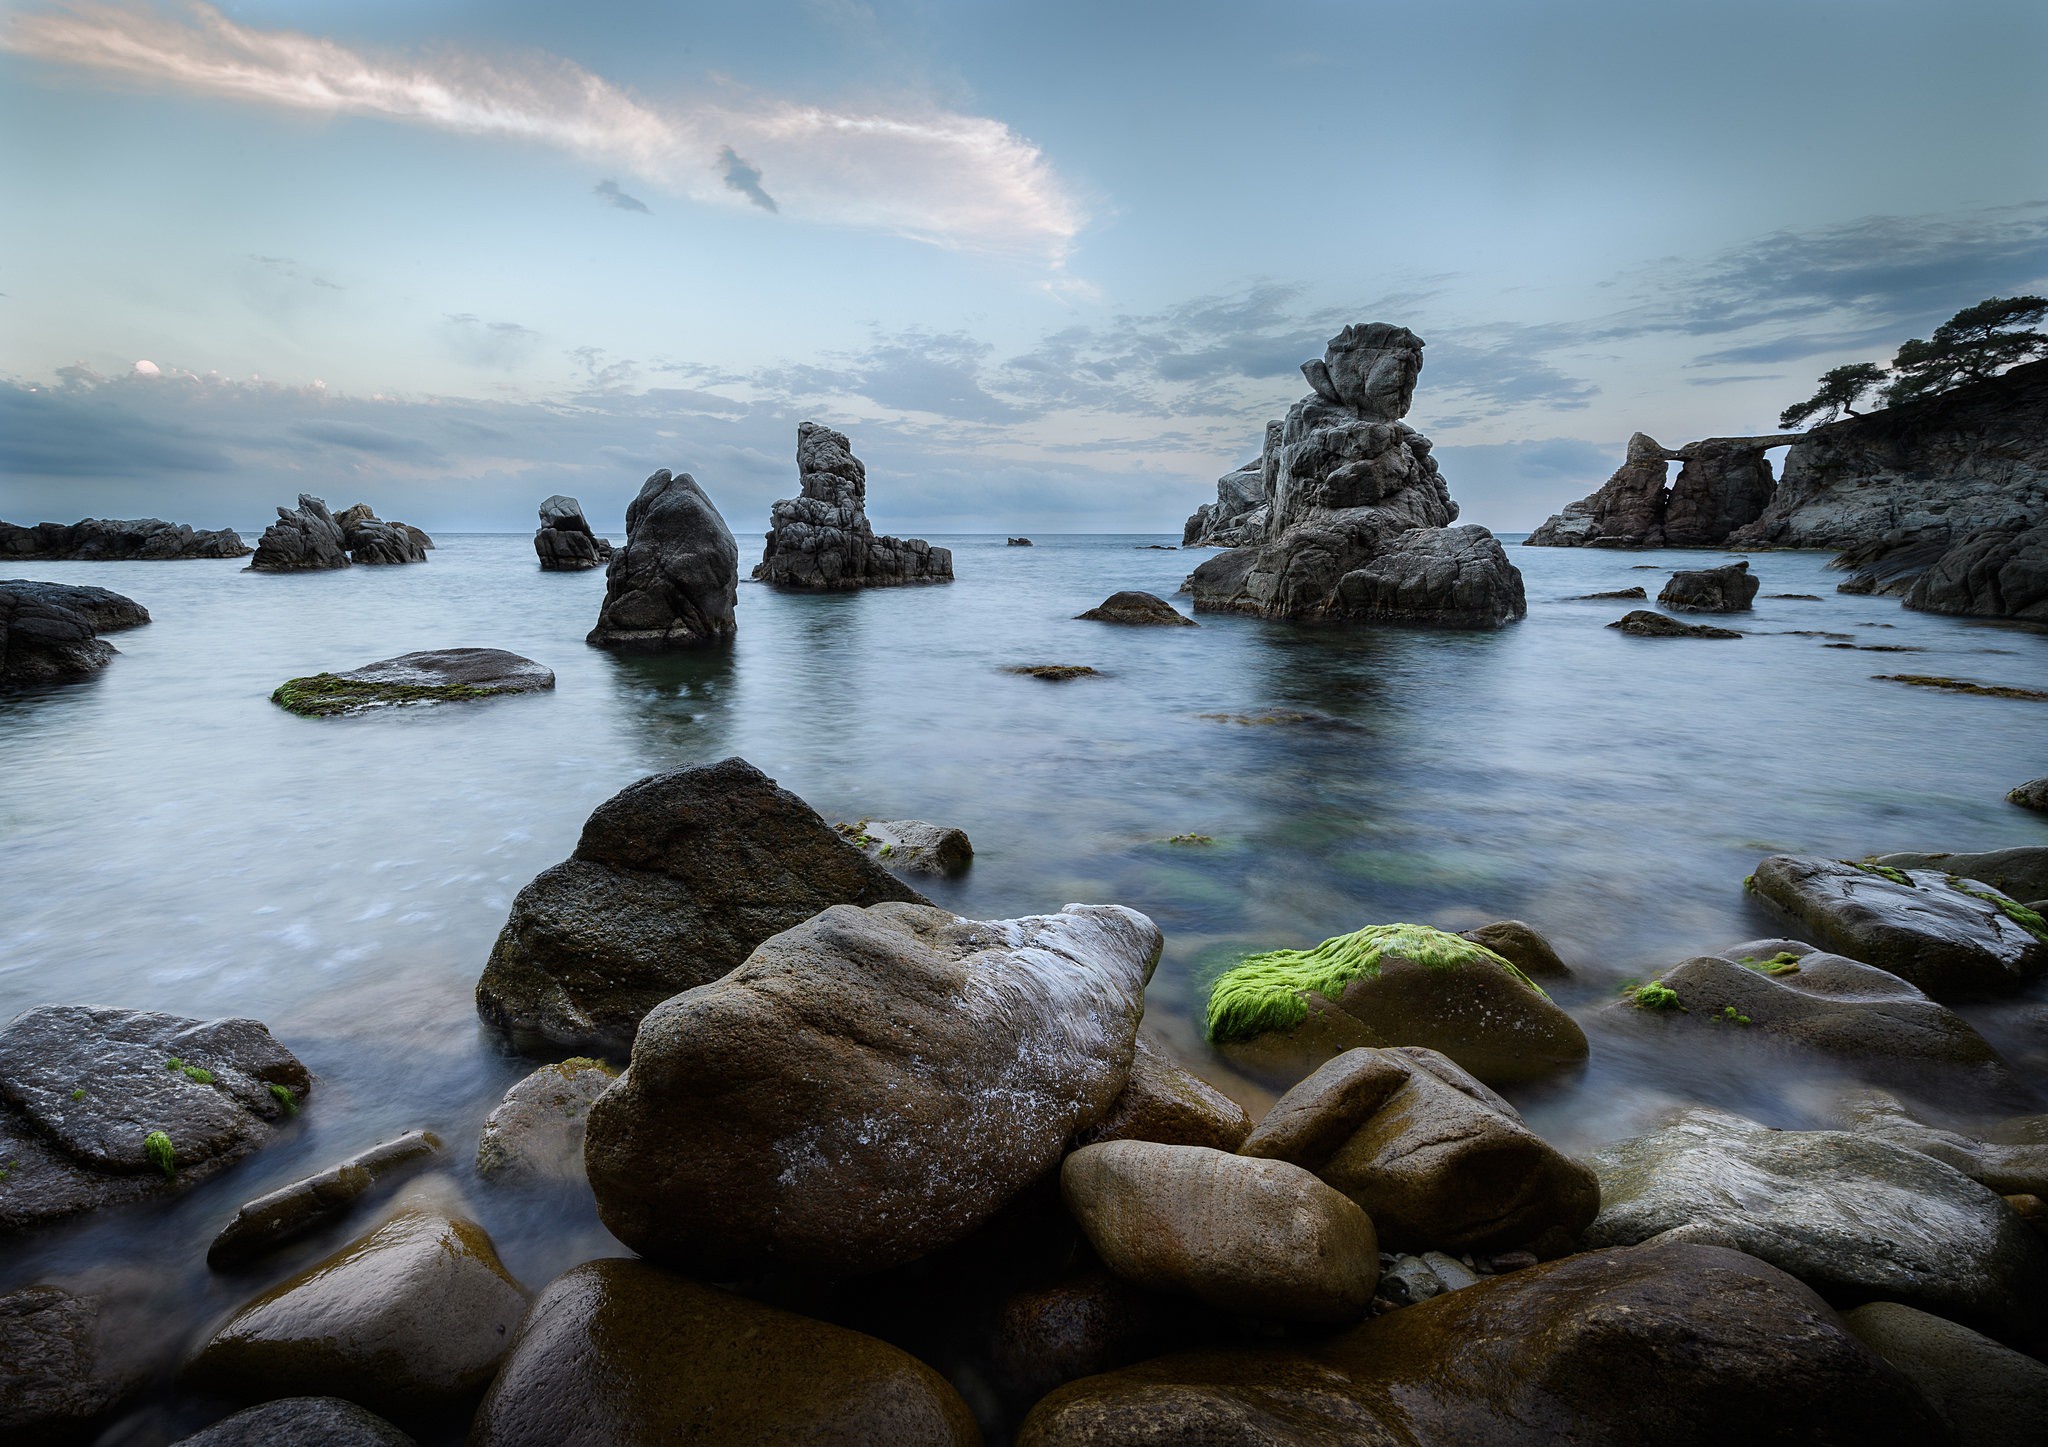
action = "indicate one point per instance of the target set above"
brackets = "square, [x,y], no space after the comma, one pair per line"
[2009,1167]
[673,883]
[913,846]
[821,539]
[868,1087]
[49,632]
[1990,1394]
[1853,1217]
[303,538]
[104,610]
[102,1106]
[108,540]
[408,1320]
[1642,623]
[1952,937]
[373,541]
[1259,1237]
[303,1421]
[1434,1157]
[1726,483]
[1395,984]
[1729,588]
[63,1366]
[435,675]
[2031,795]
[621,1354]
[675,580]
[564,542]
[1446,577]
[1168,1103]
[1681,1346]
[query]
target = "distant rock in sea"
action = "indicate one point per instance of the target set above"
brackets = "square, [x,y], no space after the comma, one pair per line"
[1020,542]
[49,632]
[1139,609]
[822,540]
[371,540]
[564,541]
[675,580]
[1728,589]
[1644,624]
[310,538]
[441,675]
[114,540]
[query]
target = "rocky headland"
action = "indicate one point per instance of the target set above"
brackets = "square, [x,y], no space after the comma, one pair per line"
[821,539]
[1724,484]
[115,540]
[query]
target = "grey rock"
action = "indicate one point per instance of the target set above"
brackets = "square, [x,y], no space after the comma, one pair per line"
[1727,589]
[1990,1394]
[1627,511]
[1371,368]
[1888,566]
[307,1204]
[822,540]
[108,540]
[1725,484]
[2011,1168]
[564,542]
[1243,506]
[1019,542]
[104,610]
[1843,1213]
[49,632]
[913,846]
[1998,573]
[673,883]
[674,582]
[300,1422]
[1453,1273]
[433,675]
[536,1132]
[371,540]
[2031,795]
[2021,871]
[1141,609]
[58,1377]
[82,1089]
[1410,1280]
[1455,577]
[1616,593]
[1642,623]
[302,539]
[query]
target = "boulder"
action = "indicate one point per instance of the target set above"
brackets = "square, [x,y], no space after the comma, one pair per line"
[1951,937]
[408,1320]
[304,1206]
[1164,1102]
[60,1375]
[1094,1322]
[371,540]
[435,675]
[302,539]
[109,540]
[2031,795]
[1611,593]
[674,881]
[1521,946]
[1434,1157]
[48,633]
[1386,985]
[868,1087]
[913,846]
[1990,1394]
[536,1132]
[1681,1346]
[1258,1237]
[302,1421]
[822,540]
[675,580]
[1140,609]
[1853,1217]
[1444,577]
[2020,872]
[1642,623]
[103,610]
[102,1106]
[1726,589]
[1019,542]
[564,542]
[2011,1168]
[618,1353]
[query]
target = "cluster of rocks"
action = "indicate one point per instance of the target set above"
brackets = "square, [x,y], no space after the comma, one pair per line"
[309,538]
[822,540]
[1724,485]
[116,540]
[49,632]
[564,541]
[1345,516]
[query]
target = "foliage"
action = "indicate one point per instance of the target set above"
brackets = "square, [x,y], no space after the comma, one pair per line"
[1840,390]
[1654,996]
[162,1154]
[323,695]
[284,1097]
[1974,345]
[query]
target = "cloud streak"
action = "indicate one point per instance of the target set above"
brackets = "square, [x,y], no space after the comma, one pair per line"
[912,169]
[611,195]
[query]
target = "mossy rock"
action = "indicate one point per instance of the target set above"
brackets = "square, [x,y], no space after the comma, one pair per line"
[445,675]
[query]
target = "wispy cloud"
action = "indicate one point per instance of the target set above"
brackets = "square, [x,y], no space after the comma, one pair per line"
[611,195]
[744,178]
[912,168]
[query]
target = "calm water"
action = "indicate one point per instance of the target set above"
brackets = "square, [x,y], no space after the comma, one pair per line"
[170,840]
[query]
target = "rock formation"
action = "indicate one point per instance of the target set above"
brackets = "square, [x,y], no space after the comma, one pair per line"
[564,541]
[674,581]
[1724,484]
[1141,610]
[1730,588]
[110,540]
[372,540]
[49,632]
[822,539]
[1357,514]
[1996,573]
[1243,502]
[303,538]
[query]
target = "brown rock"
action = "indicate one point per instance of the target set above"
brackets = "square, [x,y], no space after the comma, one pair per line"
[1139,609]
[536,1133]
[1521,946]
[305,1205]
[1167,1103]
[1049,1335]
[1992,1395]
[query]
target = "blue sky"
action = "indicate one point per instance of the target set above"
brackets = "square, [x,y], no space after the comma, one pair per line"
[1051,265]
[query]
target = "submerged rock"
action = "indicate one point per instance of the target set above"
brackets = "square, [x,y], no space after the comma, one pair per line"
[1055,672]
[306,1205]
[1642,623]
[1164,1102]
[1727,589]
[301,1422]
[1433,1156]
[673,883]
[1990,1394]
[913,846]
[822,540]
[868,1087]
[564,542]
[302,539]
[536,1132]
[438,675]
[1522,946]
[101,1106]
[1260,1237]
[620,1354]
[49,632]
[1020,542]
[104,610]
[675,580]
[1818,1204]
[1142,609]
[110,540]
[2031,795]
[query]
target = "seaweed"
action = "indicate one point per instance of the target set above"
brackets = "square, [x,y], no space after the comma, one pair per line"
[325,695]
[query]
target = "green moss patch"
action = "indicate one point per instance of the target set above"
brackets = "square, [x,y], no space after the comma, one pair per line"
[324,695]
[162,1154]
[1882,871]
[1784,962]
[2012,909]
[282,1094]
[1654,996]
[1269,991]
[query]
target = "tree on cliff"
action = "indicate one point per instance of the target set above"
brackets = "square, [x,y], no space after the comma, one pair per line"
[1840,389]
[1974,345]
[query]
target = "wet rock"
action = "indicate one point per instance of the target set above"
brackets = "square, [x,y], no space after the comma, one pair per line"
[104,610]
[101,1106]
[1522,946]
[1138,609]
[1054,672]
[108,540]
[2010,1168]
[1727,589]
[1166,1103]
[674,581]
[1990,1394]
[536,1133]
[2031,795]
[292,1211]
[58,1379]
[1642,623]
[868,1087]
[301,1422]
[564,542]
[372,541]
[302,539]
[912,846]
[1410,1280]
[2019,873]
[674,881]
[1259,1237]
[1392,985]
[1682,1346]
[47,637]
[407,1320]
[437,675]
[822,539]
[620,1354]
[1095,1322]
[1815,1203]
[1434,1157]
[1938,932]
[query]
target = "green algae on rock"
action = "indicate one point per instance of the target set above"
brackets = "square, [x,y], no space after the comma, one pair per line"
[443,675]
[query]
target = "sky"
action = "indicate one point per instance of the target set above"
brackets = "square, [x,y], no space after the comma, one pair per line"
[1050,265]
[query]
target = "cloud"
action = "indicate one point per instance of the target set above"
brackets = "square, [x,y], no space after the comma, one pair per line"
[498,345]
[909,167]
[744,179]
[610,193]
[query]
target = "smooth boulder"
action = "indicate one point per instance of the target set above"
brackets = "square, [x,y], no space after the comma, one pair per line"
[435,675]
[913,846]
[49,632]
[300,1422]
[2011,1167]
[62,1369]
[1522,946]
[1991,1395]
[1143,610]
[536,1132]
[2031,795]
[1730,588]
[675,880]
[1642,623]
[1166,1102]
[674,581]
[868,1087]
[2020,872]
